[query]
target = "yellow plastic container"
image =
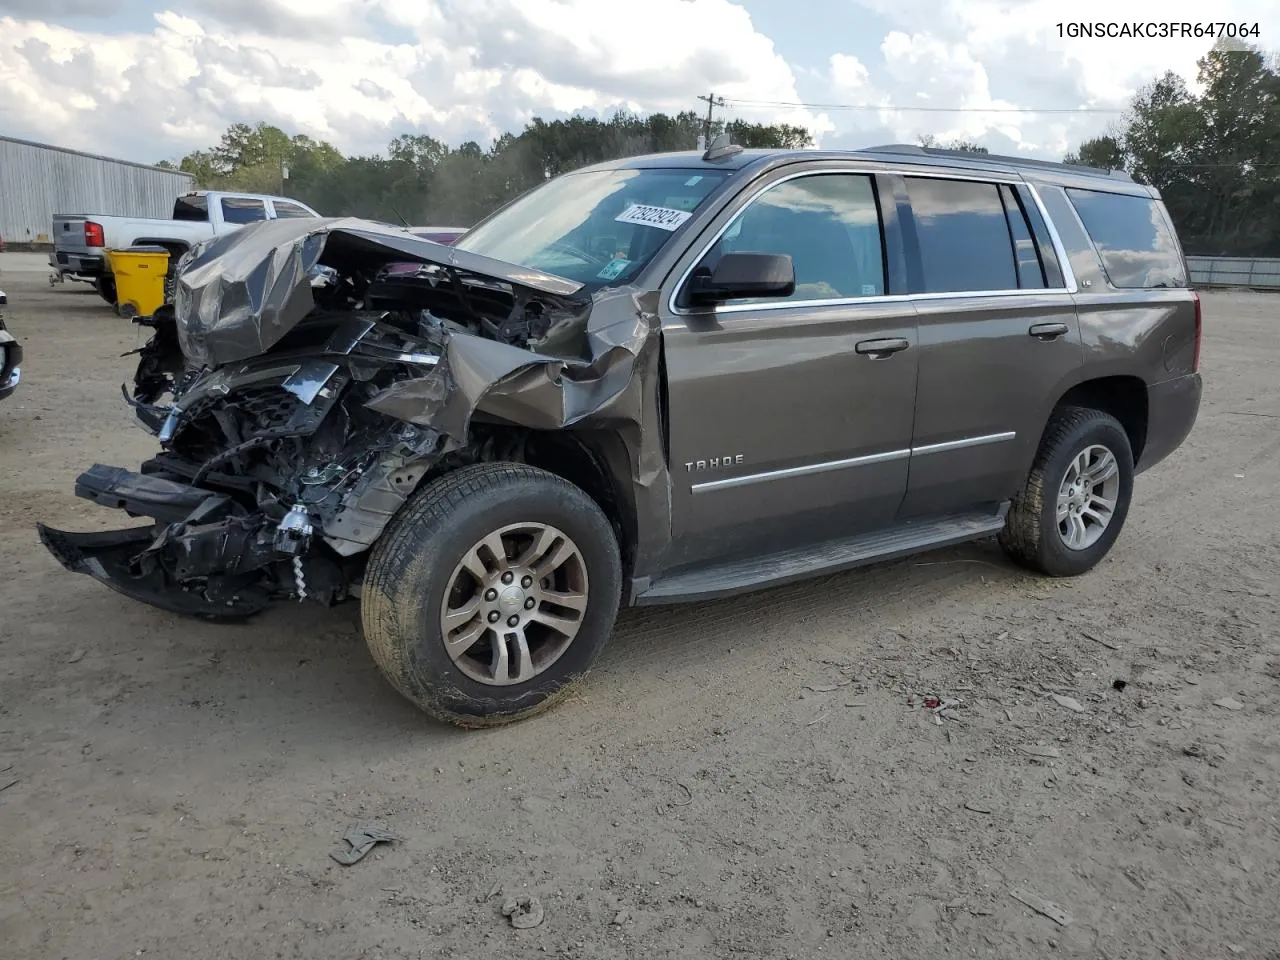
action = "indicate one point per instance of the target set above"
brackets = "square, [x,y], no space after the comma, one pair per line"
[139,274]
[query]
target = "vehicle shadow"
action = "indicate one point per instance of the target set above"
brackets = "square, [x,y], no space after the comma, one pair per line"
[303,672]
[869,595]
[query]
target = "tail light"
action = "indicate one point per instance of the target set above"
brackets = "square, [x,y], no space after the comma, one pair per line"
[93,235]
[1195,359]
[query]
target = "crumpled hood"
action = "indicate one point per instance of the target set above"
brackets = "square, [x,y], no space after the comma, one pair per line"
[237,294]
[594,365]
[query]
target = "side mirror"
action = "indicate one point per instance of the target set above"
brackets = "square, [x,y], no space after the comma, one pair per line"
[739,275]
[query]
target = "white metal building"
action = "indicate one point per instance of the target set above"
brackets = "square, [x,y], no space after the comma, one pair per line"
[38,180]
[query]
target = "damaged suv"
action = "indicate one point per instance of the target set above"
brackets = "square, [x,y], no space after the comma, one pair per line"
[661,379]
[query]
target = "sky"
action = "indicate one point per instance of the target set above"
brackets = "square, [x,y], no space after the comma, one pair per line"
[151,80]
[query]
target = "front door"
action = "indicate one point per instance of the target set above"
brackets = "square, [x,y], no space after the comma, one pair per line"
[790,418]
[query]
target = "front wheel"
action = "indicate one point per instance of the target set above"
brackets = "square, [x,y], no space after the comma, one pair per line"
[1074,504]
[491,595]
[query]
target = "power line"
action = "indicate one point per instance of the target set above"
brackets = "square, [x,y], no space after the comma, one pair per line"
[899,109]
[712,102]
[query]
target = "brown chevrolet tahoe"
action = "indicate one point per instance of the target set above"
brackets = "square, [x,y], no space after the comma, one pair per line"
[662,379]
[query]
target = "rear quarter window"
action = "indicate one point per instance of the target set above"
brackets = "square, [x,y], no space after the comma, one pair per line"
[291,211]
[1133,238]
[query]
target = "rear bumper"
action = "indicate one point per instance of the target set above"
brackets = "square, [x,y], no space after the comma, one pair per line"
[1172,409]
[85,264]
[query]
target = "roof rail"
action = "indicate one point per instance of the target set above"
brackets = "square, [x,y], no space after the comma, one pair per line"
[721,147]
[912,149]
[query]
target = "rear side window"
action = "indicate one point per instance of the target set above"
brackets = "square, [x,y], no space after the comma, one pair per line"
[191,209]
[285,210]
[1137,247]
[963,230]
[829,224]
[243,210]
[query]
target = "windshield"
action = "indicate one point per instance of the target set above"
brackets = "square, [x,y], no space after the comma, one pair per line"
[597,227]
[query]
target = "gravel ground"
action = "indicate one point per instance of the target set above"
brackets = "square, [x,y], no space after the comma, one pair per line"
[758,777]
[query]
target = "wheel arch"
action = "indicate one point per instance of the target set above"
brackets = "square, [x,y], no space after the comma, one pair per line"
[595,461]
[1123,397]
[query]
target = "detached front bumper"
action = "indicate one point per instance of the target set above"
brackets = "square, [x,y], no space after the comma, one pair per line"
[200,556]
[110,558]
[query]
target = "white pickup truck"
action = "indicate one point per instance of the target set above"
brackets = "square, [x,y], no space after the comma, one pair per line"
[80,241]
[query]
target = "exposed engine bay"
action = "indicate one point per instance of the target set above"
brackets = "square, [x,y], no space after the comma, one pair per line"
[303,382]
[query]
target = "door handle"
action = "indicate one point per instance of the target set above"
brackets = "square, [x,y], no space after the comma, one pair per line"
[879,349]
[1048,331]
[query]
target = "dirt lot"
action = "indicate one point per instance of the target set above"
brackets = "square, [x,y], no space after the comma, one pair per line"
[755,778]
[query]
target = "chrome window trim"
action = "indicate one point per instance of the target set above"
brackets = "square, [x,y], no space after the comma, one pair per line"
[824,466]
[1069,277]
[1052,292]
[1059,248]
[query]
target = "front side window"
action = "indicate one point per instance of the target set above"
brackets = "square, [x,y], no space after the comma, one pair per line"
[1137,247]
[829,224]
[243,210]
[963,232]
[598,227]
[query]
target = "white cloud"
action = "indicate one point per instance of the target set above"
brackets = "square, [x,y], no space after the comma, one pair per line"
[989,54]
[922,71]
[357,72]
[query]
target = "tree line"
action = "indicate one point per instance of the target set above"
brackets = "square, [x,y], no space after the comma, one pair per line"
[1213,155]
[422,180]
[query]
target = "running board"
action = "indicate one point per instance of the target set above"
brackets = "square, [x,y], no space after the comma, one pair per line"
[776,569]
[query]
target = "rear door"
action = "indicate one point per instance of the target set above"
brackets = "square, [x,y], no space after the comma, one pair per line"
[998,334]
[790,418]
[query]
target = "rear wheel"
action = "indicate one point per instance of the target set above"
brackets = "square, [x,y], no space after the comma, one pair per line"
[1074,504]
[491,595]
[106,287]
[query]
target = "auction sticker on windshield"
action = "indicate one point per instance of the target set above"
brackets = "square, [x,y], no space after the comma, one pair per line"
[664,218]
[613,269]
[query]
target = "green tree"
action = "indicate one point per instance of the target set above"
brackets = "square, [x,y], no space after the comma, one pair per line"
[1213,155]
[1104,152]
[204,167]
[422,180]
[777,136]
[928,141]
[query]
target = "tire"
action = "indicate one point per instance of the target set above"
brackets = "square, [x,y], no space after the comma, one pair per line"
[417,564]
[106,287]
[1032,536]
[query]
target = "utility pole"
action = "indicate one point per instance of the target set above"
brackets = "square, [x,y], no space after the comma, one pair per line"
[712,102]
